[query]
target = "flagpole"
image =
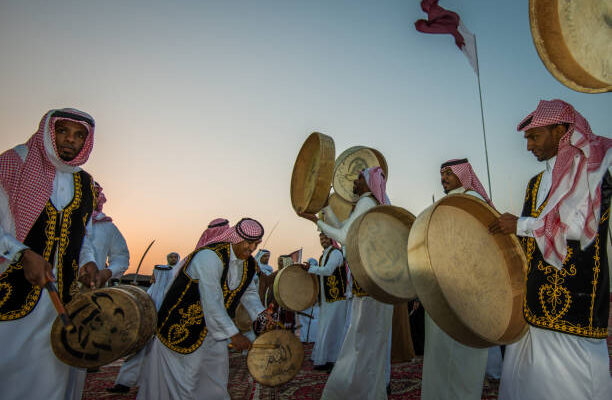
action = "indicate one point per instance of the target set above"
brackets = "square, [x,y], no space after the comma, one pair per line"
[484,135]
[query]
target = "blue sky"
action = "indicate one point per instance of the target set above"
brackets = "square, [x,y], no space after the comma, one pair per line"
[202,106]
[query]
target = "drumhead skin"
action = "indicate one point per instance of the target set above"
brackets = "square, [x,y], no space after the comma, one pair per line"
[470,282]
[312,173]
[278,359]
[110,323]
[295,289]
[349,164]
[377,256]
[574,41]
[242,320]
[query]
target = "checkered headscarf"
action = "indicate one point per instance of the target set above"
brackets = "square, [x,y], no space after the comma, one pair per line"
[245,229]
[468,178]
[583,159]
[28,184]
[97,215]
[215,228]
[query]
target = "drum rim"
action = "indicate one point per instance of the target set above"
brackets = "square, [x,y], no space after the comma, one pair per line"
[327,151]
[433,299]
[276,289]
[544,12]
[354,258]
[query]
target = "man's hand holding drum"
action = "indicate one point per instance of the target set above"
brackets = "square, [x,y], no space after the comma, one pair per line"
[506,223]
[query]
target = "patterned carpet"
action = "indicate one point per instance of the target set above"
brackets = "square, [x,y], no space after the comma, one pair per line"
[308,384]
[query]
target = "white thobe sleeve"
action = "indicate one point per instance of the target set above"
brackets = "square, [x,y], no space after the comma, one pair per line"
[251,301]
[9,245]
[207,267]
[118,254]
[87,253]
[331,217]
[339,234]
[334,261]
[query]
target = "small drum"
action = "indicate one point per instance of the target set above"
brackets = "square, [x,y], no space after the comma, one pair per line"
[470,282]
[376,253]
[110,323]
[295,289]
[242,320]
[312,173]
[349,164]
[574,41]
[275,357]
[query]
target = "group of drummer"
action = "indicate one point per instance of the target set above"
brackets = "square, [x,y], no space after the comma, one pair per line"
[46,203]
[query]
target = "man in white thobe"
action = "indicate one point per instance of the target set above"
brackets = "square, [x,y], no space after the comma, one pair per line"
[188,359]
[161,277]
[452,370]
[363,364]
[563,229]
[46,203]
[332,313]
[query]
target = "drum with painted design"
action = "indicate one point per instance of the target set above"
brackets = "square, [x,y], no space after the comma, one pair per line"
[110,323]
[275,357]
[470,282]
[350,163]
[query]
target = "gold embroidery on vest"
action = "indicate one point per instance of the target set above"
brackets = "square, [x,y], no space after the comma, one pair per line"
[66,223]
[7,289]
[334,291]
[595,279]
[180,331]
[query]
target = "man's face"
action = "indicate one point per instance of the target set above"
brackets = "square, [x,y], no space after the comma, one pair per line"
[245,248]
[172,259]
[265,258]
[449,180]
[280,263]
[543,141]
[360,186]
[69,138]
[325,241]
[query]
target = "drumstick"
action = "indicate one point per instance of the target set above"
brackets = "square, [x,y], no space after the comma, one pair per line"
[59,307]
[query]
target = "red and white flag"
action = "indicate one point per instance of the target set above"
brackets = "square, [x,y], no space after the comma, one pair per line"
[296,256]
[440,20]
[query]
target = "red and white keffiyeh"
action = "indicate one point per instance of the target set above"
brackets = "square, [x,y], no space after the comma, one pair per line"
[29,184]
[468,178]
[377,182]
[246,229]
[97,215]
[215,229]
[583,159]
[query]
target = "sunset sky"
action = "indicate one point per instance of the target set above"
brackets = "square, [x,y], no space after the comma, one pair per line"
[201,106]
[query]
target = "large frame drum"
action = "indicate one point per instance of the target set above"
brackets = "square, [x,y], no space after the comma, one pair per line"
[470,282]
[312,173]
[350,163]
[574,41]
[110,323]
[275,357]
[376,253]
[295,289]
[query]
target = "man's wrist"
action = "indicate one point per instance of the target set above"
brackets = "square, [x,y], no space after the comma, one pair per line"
[18,257]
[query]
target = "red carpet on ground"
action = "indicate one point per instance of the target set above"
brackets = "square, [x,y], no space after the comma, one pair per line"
[308,384]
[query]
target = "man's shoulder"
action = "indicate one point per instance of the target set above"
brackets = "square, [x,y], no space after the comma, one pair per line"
[17,154]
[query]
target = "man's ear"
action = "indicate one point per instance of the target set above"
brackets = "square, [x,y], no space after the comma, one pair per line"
[558,131]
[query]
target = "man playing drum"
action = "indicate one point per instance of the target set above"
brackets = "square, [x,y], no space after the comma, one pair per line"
[46,203]
[452,370]
[332,315]
[363,365]
[563,229]
[188,358]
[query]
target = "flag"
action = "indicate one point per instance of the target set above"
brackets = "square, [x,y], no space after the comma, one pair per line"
[440,20]
[296,256]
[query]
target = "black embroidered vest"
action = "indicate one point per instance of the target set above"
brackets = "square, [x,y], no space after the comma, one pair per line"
[334,285]
[53,234]
[180,320]
[575,299]
[358,290]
